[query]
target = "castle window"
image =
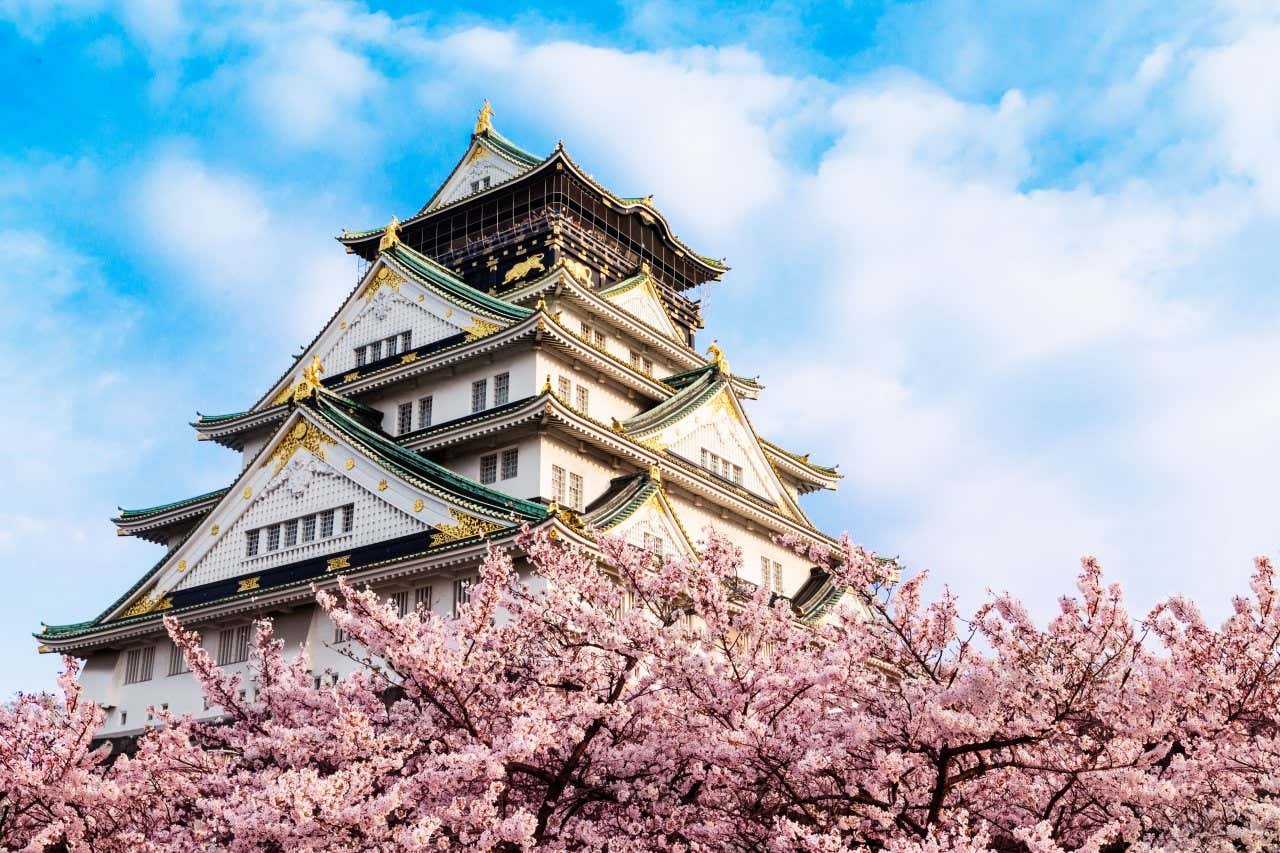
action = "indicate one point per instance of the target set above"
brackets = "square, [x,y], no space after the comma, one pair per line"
[348,517]
[653,544]
[291,533]
[461,592]
[375,350]
[177,661]
[401,601]
[309,529]
[138,664]
[489,468]
[479,395]
[575,491]
[251,542]
[339,636]
[582,399]
[564,388]
[404,418]
[424,413]
[510,462]
[771,573]
[422,598]
[557,484]
[326,524]
[233,645]
[641,363]
[273,538]
[406,338]
[501,388]
[361,356]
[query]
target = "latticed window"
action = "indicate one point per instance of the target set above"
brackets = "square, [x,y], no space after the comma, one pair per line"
[641,363]
[424,413]
[575,491]
[339,636]
[510,463]
[582,398]
[489,468]
[564,388]
[461,592]
[501,388]
[233,645]
[177,661]
[273,538]
[557,484]
[375,350]
[251,542]
[348,517]
[406,341]
[422,597]
[401,601]
[362,356]
[771,573]
[404,418]
[138,664]
[653,544]
[309,528]
[479,395]
[326,524]
[291,533]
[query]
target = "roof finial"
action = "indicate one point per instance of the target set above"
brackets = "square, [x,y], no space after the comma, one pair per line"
[484,121]
[655,473]
[390,235]
[310,380]
[717,355]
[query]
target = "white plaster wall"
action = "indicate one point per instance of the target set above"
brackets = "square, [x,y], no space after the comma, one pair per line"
[596,474]
[390,312]
[451,393]
[526,483]
[754,543]
[606,400]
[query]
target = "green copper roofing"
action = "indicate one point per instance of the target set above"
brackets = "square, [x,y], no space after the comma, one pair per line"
[692,395]
[156,510]
[418,469]
[355,235]
[450,285]
[213,419]
[802,459]
[509,148]
[625,496]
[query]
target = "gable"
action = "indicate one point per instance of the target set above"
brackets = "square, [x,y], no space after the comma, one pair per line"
[656,517]
[643,302]
[481,168]
[304,470]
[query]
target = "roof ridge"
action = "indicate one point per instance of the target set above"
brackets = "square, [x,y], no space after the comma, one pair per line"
[455,285]
[153,510]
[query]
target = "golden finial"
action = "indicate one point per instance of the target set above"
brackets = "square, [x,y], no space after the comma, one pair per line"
[542,304]
[644,268]
[552,507]
[655,473]
[616,426]
[310,379]
[484,121]
[390,235]
[546,386]
[717,355]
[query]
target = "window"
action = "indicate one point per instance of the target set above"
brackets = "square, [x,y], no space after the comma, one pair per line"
[583,398]
[501,388]
[510,462]
[642,364]
[138,664]
[653,544]
[375,350]
[348,517]
[177,661]
[404,418]
[593,336]
[564,388]
[251,542]
[575,491]
[300,530]
[489,468]
[557,484]
[233,645]
[361,356]
[461,592]
[124,717]
[309,529]
[401,601]
[390,344]
[481,184]
[291,533]
[273,538]
[326,524]
[721,467]
[479,395]
[424,413]
[771,573]
[339,636]
[406,339]
[422,598]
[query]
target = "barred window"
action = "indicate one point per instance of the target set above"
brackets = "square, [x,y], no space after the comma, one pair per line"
[510,462]
[489,468]
[177,660]
[641,363]
[233,645]
[575,491]
[339,636]
[424,413]
[309,529]
[564,388]
[326,524]
[557,484]
[362,356]
[138,664]
[291,533]
[273,538]
[583,397]
[375,350]
[348,517]
[406,339]
[653,544]
[401,601]
[479,395]
[251,542]
[390,344]
[404,418]
[501,388]
[422,598]
[461,592]
[771,574]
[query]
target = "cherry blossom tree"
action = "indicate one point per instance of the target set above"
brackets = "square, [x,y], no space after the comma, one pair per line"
[616,702]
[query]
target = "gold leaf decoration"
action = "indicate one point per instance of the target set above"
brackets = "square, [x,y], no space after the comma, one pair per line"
[335,563]
[533,263]
[465,527]
[182,565]
[382,485]
[349,464]
[408,358]
[480,328]
[303,435]
[148,604]
[213,531]
[247,493]
[248,584]
[418,505]
[578,270]
[384,277]
[390,235]
[351,377]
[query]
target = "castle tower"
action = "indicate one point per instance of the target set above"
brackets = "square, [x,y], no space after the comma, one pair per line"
[519,351]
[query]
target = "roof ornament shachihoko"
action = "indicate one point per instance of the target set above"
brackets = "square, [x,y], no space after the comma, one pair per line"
[484,121]
[717,355]
[390,235]
[309,381]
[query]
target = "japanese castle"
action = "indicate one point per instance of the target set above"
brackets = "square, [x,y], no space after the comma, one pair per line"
[520,351]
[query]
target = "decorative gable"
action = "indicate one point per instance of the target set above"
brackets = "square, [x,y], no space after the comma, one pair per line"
[656,521]
[640,298]
[481,168]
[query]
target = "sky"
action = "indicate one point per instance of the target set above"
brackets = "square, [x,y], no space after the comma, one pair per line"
[1012,266]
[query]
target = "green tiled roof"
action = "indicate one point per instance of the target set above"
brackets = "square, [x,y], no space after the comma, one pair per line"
[213,419]
[624,496]
[450,285]
[156,510]
[509,148]
[694,393]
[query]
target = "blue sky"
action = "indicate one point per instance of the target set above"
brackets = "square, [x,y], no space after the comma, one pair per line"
[1012,267]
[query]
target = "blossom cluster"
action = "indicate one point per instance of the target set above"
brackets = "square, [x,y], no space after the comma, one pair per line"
[613,702]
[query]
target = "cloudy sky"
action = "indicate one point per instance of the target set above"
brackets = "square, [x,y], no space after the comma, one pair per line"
[1013,270]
